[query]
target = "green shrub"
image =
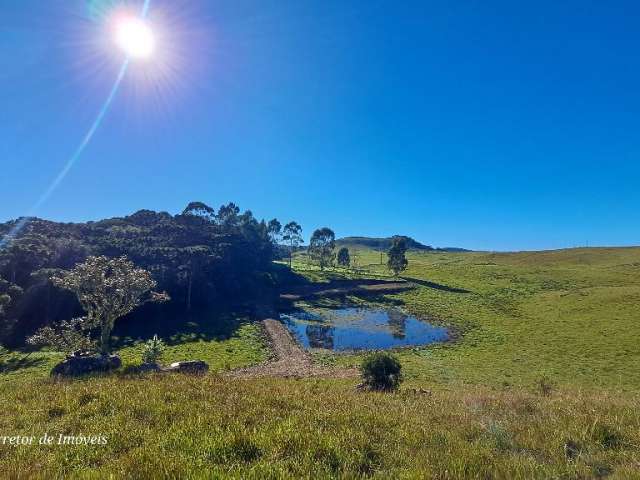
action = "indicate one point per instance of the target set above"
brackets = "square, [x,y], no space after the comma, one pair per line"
[606,436]
[500,437]
[152,350]
[65,336]
[544,385]
[381,371]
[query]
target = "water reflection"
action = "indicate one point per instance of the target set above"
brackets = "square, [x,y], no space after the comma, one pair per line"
[320,336]
[397,323]
[361,328]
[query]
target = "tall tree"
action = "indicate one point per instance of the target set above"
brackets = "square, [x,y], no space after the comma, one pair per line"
[107,289]
[321,246]
[195,262]
[199,260]
[24,255]
[397,260]
[343,258]
[228,215]
[200,209]
[274,229]
[292,236]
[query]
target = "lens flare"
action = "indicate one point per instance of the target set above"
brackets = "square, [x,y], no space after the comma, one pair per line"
[143,42]
[135,37]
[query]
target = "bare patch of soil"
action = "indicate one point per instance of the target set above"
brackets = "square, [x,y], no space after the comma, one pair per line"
[290,359]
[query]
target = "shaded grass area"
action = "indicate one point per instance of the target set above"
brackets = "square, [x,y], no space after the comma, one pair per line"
[179,426]
[223,341]
[245,347]
[571,315]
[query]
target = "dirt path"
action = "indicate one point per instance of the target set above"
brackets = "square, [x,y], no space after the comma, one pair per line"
[290,359]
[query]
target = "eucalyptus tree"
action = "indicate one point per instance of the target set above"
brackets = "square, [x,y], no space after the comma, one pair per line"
[200,209]
[274,229]
[343,258]
[228,215]
[292,236]
[321,246]
[397,260]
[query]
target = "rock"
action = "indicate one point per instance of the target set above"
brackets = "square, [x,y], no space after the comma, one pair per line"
[421,391]
[83,363]
[571,450]
[149,367]
[191,366]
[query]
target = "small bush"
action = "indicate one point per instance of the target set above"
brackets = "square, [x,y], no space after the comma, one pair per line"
[381,371]
[601,470]
[55,412]
[572,449]
[544,385]
[238,449]
[606,436]
[152,350]
[500,437]
[65,336]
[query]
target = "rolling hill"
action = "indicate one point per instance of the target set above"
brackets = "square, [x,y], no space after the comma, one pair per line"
[385,243]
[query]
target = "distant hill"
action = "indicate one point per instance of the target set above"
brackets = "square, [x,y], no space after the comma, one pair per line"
[385,243]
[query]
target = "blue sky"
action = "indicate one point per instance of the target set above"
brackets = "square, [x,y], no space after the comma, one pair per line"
[479,124]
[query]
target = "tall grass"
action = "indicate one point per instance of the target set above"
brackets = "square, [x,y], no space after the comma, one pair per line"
[179,426]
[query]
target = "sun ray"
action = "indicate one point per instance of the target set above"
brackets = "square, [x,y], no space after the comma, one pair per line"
[86,139]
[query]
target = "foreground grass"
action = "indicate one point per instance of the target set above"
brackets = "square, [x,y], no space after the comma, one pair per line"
[181,427]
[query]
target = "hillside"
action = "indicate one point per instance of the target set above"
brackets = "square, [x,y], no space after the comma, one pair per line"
[385,243]
[546,353]
[200,257]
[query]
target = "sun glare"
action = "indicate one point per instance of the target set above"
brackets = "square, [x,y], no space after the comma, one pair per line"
[134,37]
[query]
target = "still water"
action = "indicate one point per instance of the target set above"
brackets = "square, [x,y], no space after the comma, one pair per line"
[361,328]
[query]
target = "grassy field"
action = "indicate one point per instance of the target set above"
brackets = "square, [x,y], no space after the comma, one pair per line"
[191,427]
[570,316]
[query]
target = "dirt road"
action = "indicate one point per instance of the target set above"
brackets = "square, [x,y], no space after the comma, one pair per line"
[290,359]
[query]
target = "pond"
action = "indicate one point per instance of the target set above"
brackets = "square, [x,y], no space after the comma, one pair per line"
[361,328]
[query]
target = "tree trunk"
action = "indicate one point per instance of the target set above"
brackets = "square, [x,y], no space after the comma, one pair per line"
[47,313]
[105,337]
[189,290]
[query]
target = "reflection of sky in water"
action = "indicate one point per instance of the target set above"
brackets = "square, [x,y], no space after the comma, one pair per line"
[361,328]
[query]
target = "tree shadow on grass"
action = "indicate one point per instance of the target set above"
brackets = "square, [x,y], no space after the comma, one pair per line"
[14,364]
[181,327]
[344,301]
[437,286]
[384,300]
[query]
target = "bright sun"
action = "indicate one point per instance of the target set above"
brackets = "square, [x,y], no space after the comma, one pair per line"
[134,37]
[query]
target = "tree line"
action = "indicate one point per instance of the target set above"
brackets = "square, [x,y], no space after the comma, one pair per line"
[201,257]
[322,251]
